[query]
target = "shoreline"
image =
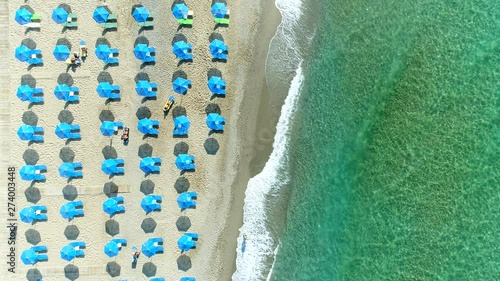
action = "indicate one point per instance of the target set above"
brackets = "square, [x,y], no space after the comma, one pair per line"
[253,151]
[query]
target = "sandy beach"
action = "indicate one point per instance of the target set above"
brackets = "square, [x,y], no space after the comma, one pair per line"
[220,178]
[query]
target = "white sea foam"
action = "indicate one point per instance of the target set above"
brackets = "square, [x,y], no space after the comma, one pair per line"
[260,247]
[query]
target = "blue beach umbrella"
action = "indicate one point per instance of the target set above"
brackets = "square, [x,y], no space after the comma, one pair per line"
[108,128]
[59,15]
[217,47]
[219,10]
[181,49]
[27,172]
[180,11]
[63,130]
[110,206]
[181,85]
[25,132]
[23,16]
[100,15]
[147,165]
[149,249]
[148,203]
[185,243]
[68,211]
[185,201]
[29,256]
[144,125]
[181,125]
[102,51]
[61,52]
[183,162]
[141,51]
[142,87]
[68,253]
[24,92]
[27,215]
[104,89]
[62,91]
[111,249]
[66,170]
[216,84]
[187,279]
[214,121]
[109,166]
[22,53]
[140,14]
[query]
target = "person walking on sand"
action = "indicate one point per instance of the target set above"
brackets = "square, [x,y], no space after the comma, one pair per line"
[136,254]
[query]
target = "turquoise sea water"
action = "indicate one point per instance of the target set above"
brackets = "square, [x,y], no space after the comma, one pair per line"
[394,155]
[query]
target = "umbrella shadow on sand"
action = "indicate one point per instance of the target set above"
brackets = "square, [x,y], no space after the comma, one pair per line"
[71,232]
[110,189]
[147,187]
[183,223]
[109,152]
[65,116]
[113,269]
[182,185]
[184,263]
[28,79]
[32,194]
[34,275]
[65,78]
[181,148]
[143,112]
[212,108]
[70,192]
[33,236]
[71,272]
[178,111]
[148,225]
[149,269]
[31,157]
[30,118]
[112,227]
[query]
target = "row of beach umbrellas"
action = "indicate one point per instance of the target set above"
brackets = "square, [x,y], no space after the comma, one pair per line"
[101,14]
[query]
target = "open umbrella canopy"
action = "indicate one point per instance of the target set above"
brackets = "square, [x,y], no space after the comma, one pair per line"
[27,172]
[108,128]
[141,51]
[59,15]
[102,51]
[66,170]
[142,87]
[61,52]
[68,211]
[183,161]
[181,124]
[104,89]
[149,248]
[187,279]
[217,47]
[100,15]
[185,201]
[109,166]
[63,130]
[110,206]
[180,11]
[186,243]
[147,165]
[214,121]
[62,91]
[23,16]
[181,85]
[24,92]
[144,126]
[68,253]
[219,10]
[140,14]
[181,49]
[22,53]
[216,84]
[29,256]
[27,215]
[25,132]
[111,249]
[148,203]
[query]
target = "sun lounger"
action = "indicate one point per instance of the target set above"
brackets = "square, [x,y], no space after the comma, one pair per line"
[33,25]
[71,17]
[112,60]
[35,61]
[114,51]
[146,24]
[70,24]
[192,235]
[150,59]
[157,161]
[119,200]
[190,13]
[185,21]
[112,17]
[120,242]
[222,21]
[36,99]
[42,257]
[37,90]
[109,25]
[156,240]
[36,52]
[76,165]
[115,87]
[35,17]
[153,85]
